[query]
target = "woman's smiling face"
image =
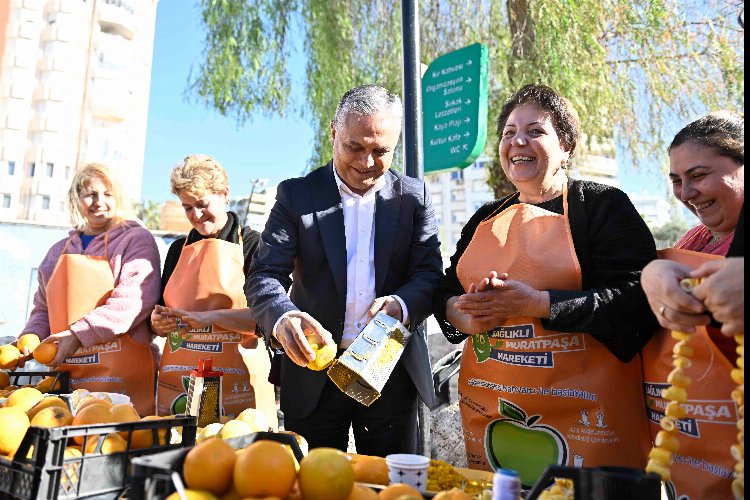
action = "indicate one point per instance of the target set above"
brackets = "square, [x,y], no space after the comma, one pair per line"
[97,205]
[710,185]
[207,213]
[530,149]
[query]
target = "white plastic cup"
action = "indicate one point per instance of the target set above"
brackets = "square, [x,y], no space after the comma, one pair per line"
[408,469]
[506,485]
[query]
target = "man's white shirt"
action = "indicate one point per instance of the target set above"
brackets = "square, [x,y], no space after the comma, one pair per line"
[359,227]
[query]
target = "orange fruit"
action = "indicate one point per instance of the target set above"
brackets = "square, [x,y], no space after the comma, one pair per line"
[396,490]
[92,414]
[13,426]
[46,403]
[30,340]
[9,355]
[210,466]
[362,492]
[4,380]
[254,418]
[324,354]
[70,467]
[264,468]
[369,469]
[48,384]
[231,495]
[91,400]
[326,473]
[193,495]
[54,416]
[45,352]
[124,413]
[112,443]
[145,438]
[24,398]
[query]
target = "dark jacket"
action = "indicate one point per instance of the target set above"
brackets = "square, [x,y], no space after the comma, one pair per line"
[613,245]
[304,243]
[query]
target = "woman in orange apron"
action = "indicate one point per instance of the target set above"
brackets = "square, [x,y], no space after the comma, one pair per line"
[545,282]
[96,290]
[707,172]
[205,312]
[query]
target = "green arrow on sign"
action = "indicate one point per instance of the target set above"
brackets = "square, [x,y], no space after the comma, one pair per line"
[455,95]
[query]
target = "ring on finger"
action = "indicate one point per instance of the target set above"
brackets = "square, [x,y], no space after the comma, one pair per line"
[662,309]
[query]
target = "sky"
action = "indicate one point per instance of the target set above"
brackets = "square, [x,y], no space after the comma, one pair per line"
[178,125]
[273,149]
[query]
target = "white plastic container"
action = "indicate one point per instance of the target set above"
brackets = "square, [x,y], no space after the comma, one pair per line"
[506,485]
[408,469]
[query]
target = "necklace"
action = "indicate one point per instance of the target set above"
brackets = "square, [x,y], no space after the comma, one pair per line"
[719,239]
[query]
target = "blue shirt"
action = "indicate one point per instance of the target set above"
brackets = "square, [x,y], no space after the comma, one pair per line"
[86,239]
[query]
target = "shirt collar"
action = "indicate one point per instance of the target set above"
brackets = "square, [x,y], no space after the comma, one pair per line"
[344,189]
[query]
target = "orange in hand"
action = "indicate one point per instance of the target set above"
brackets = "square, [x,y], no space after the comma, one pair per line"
[45,353]
[30,340]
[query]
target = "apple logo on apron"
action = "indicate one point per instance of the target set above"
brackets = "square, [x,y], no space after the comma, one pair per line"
[520,443]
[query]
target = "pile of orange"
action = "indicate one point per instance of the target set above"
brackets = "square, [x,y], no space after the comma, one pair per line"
[266,469]
[10,355]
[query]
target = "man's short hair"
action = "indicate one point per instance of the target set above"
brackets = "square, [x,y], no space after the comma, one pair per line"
[366,100]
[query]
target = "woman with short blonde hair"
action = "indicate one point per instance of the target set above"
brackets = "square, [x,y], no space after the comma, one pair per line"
[204,308]
[198,174]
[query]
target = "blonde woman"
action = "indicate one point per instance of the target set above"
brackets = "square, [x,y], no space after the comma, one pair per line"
[96,290]
[204,311]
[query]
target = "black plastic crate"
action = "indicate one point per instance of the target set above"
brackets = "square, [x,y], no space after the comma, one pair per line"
[48,474]
[20,378]
[154,476]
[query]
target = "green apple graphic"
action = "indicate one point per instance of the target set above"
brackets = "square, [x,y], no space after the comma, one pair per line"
[517,442]
[482,348]
[179,405]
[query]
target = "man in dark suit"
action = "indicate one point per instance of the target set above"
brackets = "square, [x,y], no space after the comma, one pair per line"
[356,238]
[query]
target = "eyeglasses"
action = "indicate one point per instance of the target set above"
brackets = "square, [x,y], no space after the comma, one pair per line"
[741,18]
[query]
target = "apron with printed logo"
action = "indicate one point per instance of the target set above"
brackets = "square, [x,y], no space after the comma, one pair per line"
[532,397]
[703,465]
[78,285]
[208,276]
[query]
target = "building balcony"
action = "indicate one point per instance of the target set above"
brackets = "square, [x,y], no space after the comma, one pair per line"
[116,17]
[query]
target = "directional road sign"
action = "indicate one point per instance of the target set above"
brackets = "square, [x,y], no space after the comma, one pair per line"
[454,92]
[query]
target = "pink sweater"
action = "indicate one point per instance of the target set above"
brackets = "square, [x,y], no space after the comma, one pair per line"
[134,259]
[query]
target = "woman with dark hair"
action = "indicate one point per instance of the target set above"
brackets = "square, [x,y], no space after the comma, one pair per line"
[707,170]
[545,285]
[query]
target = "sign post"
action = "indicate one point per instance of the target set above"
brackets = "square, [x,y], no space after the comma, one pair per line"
[455,91]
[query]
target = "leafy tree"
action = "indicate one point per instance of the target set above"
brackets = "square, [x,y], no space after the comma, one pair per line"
[670,233]
[632,68]
[149,212]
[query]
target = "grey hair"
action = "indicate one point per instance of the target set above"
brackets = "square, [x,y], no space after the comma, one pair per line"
[366,100]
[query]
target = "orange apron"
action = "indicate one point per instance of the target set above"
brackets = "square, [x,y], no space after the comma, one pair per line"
[703,465]
[208,276]
[532,397]
[78,285]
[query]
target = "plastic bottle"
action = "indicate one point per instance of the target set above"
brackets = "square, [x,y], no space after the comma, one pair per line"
[506,485]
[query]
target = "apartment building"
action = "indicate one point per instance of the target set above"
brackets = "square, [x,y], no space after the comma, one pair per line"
[74,88]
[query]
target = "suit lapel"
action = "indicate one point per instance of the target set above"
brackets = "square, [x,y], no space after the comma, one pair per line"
[387,211]
[330,216]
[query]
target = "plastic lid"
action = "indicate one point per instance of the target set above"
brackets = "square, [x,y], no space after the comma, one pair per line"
[508,472]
